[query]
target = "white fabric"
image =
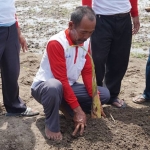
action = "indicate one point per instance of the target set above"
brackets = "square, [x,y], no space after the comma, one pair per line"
[73,70]
[111,7]
[7,11]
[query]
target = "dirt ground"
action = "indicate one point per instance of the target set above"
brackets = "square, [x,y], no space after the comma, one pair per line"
[123,129]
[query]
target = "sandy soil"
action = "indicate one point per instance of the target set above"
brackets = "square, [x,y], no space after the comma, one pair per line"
[130,129]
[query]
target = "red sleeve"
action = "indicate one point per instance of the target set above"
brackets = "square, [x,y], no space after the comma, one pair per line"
[17,24]
[58,66]
[134,9]
[87,2]
[87,74]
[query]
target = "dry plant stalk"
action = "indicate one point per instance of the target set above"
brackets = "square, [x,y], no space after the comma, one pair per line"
[96,104]
[112,117]
[96,109]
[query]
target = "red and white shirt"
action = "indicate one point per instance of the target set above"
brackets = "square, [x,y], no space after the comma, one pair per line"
[111,7]
[65,62]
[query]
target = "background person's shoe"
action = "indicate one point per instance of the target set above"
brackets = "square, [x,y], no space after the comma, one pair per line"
[28,113]
[147,9]
[139,99]
[119,103]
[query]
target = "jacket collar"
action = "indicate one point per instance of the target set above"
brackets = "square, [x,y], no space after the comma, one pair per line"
[69,39]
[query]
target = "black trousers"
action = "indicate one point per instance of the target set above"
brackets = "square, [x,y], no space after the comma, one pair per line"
[111,43]
[10,68]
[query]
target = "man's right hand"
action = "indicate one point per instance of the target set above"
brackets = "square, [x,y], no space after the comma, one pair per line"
[79,120]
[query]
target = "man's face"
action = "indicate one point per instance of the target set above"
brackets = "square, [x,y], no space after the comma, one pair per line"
[79,34]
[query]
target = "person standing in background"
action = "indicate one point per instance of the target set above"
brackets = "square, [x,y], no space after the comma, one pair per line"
[10,37]
[111,42]
[145,97]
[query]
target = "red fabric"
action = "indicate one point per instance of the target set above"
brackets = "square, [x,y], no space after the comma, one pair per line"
[69,39]
[87,2]
[134,9]
[17,24]
[76,55]
[87,73]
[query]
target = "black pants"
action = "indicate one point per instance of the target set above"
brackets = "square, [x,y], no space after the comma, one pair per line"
[10,68]
[111,43]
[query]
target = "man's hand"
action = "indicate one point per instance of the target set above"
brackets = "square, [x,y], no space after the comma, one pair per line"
[79,120]
[136,25]
[23,43]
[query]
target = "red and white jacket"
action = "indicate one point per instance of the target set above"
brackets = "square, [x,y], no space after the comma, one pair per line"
[65,62]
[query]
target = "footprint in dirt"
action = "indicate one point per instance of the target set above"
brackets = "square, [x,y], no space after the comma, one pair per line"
[16,133]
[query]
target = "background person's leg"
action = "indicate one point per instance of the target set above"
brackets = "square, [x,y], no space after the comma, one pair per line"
[118,57]
[84,99]
[49,94]
[146,93]
[10,68]
[100,44]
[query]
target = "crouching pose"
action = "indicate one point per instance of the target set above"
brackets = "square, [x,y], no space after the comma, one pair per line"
[55,83]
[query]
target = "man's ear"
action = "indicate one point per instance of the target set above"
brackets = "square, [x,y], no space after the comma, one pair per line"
[71,25]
